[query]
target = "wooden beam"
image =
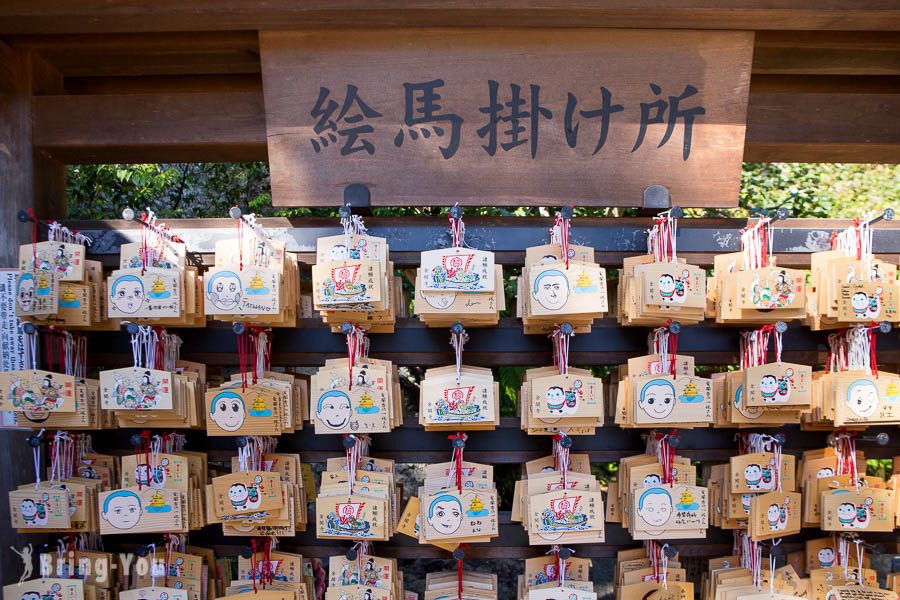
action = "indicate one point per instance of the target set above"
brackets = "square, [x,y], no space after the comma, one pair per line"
[101,16]
[822,127]
[784,124]
[111,55]
[21,187]
[826,53]
[168,127]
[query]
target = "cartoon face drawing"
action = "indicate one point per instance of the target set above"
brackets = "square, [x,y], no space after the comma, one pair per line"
[556,399]
[126,294]
[237,492]
[846,512]
[655,507]
[862,398]
[826,557]
[753,476]
[333,409]
[551,289]
[31,596]
[339,252]
[25,292]
[224,290]
[657,398]
[666,286]
[228,411]
[122,509]
[777,521]
[768,387]
[652,480]
[860,303]
[445,514]
[745,502]
[824,472]
[29,509]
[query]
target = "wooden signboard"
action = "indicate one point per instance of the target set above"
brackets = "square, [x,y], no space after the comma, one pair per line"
[505,116]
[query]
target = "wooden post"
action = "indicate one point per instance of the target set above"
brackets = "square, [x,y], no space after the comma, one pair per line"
[26,180]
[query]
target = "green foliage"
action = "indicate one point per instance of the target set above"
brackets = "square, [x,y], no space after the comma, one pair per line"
[170,190]
[837,190]
[210,189]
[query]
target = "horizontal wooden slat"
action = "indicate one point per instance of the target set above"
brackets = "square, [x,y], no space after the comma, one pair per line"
[822,127]
[826,53]
[229,126]
[176,127]
[101,16]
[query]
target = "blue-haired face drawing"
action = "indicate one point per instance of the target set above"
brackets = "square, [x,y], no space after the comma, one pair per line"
[655,506]
[122,509]
[862,398]
[224,290]
[25,292]
[227,411]
[657,398]
[333,409]
[126,294]
[551,289]
[445,514]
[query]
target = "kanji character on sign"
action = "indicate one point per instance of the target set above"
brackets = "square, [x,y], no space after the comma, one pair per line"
[422,109]
[349,123]
[674,113]
[603,113]
[516,115]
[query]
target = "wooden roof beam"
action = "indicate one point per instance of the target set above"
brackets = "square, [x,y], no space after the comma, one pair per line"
[129,16]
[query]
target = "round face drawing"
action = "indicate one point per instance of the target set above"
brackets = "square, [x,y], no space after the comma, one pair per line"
[445,514]
[825,472]
[339,252]
[860,302]
[555,398]
[768,385]
[31,596]
[862,398]
[655,507]
[28,508]
[773,513]
[666,284]
[224,290]
[237,493]
[333,409]
[127,295]
[826,557]
[122,510]
[25,293]
[551,289]
[228,411]
[657,398]
[652,480]
[753,474]
[846,513]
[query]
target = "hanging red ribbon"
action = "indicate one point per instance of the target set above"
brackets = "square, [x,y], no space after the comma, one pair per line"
[457,457]
[459,579]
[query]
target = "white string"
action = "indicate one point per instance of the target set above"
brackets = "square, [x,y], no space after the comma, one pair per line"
[31,352]
[243,456]
[262,349]
[171,350]
[860,551]
[859,350]
[152,565]
[664,572]
[772,566]
[36,454]
[458,341]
